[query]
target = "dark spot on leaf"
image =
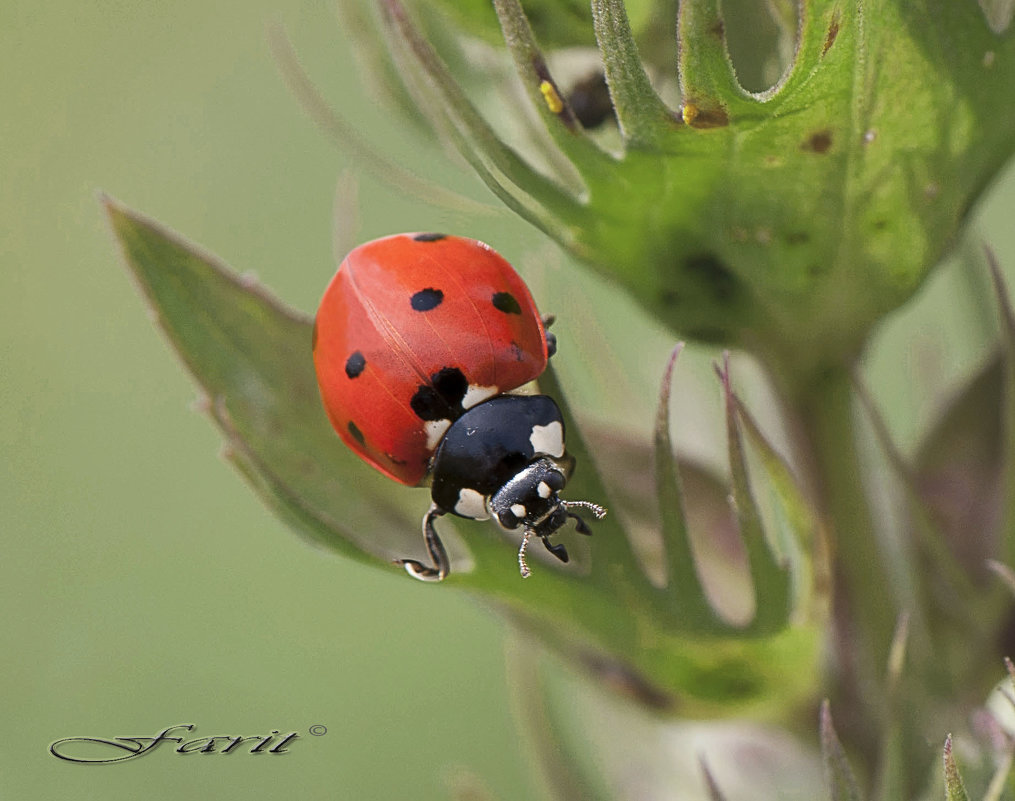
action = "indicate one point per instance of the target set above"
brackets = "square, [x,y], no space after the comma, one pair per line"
[705,117]
[833,31]
[441,399]
[429,237]
[625,679]
[819,141]
[356,433]
[797,238]
[709,271]
[505,302]
[669,297]
[880,225]
[426,299]
[354,364]
[718,29]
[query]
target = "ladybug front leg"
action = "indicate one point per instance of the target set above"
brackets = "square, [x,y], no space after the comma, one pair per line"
[434,546]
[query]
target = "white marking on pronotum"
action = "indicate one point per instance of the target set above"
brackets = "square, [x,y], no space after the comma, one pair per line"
[476,394]
[548,439]
[544,490]
[518,510]
[435,429]
[471,504]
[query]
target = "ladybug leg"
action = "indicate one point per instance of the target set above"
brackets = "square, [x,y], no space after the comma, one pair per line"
[434,546]
[551,340]
[557,550]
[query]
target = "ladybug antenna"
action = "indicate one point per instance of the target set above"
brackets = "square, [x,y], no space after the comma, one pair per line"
[523,566]
[580,524]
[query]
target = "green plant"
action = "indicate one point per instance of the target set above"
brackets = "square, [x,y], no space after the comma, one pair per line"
[785,223]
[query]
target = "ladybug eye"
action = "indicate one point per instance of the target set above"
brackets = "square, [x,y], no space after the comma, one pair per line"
[426,299]
[506,302]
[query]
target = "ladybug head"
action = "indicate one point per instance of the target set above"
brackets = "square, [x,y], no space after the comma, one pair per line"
[530,500]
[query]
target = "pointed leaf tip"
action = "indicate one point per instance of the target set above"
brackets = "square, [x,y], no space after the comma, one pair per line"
[955,790]
[842,785]
[644,119]
[683,585]
[770,573]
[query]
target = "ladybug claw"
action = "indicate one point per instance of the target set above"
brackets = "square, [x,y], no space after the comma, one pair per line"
[557,550]
[441,564]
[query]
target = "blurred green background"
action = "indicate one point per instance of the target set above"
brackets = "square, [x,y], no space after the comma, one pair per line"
[143,585]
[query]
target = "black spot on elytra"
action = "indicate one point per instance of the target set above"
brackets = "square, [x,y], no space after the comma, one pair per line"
[354,364]
[426,299]
[506,302]
[708,270]
[356,433]
[441,399]
[819,141]
[429,237]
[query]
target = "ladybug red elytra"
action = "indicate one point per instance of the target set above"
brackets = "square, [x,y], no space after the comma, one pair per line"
[417,339]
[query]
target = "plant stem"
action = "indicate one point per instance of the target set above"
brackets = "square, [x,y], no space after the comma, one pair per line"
[865,608]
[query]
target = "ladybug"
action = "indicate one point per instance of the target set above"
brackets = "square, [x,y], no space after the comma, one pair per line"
[417,340]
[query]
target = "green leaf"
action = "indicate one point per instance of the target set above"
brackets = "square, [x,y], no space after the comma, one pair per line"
[251,358]
[644,120]
[563,23]
[544,93]
[792,528]
[799,214]
[839,776]
[683,583]
[508,175]
[955,790]
[770,570]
